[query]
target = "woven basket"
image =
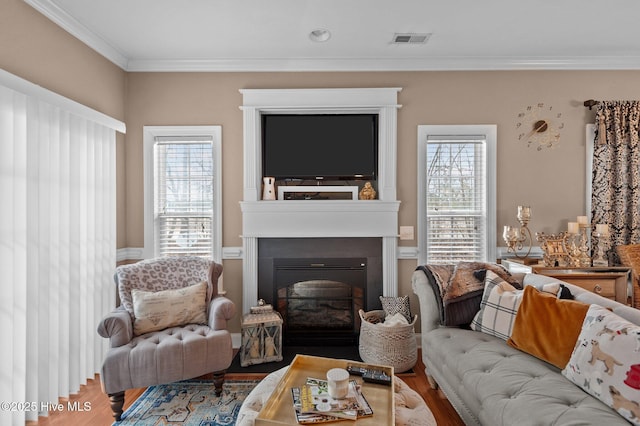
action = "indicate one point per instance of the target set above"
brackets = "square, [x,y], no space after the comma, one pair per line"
[392,346]
[630,256]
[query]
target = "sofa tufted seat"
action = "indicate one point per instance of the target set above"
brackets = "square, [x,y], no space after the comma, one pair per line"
[471,361]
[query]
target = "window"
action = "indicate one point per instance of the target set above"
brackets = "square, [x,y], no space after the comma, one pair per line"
[182,192]
[456,193]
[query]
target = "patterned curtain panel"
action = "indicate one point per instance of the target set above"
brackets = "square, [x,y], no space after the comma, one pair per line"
[615,195]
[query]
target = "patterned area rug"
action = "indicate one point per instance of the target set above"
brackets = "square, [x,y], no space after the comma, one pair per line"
[190,402]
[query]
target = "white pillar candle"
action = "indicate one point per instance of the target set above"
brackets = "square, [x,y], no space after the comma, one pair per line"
[573,228]
[602,229]
[582,220]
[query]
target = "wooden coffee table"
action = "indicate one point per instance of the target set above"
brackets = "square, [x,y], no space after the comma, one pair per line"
[278,410]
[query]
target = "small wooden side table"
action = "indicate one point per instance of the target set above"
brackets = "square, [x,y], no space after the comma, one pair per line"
[261,338]
[612,282]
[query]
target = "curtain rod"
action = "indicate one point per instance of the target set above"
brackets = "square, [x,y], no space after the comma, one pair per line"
[590,103]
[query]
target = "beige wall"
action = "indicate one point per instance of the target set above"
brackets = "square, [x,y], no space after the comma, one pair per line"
[551,181]
[34,48]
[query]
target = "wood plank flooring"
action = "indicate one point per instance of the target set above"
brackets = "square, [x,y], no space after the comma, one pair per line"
[100,412]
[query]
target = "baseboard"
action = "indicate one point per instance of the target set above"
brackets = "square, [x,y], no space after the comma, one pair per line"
[236,340]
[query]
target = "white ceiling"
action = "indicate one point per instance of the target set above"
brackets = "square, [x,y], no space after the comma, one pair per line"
[273,35]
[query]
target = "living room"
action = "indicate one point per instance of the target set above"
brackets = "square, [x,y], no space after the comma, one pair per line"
[551,180]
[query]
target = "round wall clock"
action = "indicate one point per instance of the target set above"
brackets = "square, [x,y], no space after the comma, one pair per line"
[539,126]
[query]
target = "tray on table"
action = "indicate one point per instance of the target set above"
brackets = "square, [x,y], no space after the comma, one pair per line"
[278,410]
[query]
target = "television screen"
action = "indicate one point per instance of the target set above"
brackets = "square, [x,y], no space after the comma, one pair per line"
[327,146]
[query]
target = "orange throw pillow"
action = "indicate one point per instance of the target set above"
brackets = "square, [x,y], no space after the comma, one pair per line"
[547,327]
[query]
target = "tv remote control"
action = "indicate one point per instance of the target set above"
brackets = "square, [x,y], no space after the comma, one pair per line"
[376,376]
[356,370]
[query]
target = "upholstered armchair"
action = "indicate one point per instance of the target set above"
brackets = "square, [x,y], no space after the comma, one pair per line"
[171,325]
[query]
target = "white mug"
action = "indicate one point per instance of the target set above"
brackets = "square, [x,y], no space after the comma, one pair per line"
[338,382]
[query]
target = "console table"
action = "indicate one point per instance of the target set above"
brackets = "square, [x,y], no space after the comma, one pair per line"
[611,282]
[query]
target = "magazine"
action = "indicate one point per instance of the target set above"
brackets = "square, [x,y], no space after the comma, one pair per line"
[315,398]
[309,418]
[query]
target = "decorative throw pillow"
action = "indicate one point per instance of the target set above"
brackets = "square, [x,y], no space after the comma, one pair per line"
[169,308]
[547,327]
[498,307]
[606,361]
[393,305]
[462,297]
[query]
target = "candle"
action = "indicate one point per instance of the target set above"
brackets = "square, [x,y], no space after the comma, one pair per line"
[524,212]
[573,228]
[582,220]
[602,229]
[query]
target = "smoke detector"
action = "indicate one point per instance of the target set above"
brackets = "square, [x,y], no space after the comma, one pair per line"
[410,38]
[320,35]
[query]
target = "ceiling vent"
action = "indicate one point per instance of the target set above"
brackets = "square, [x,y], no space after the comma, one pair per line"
[411,38]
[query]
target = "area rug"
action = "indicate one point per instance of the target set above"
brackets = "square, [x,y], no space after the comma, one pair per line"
[190,402]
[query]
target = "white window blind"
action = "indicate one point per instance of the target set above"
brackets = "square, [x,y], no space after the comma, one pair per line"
[184,196]
[456,199]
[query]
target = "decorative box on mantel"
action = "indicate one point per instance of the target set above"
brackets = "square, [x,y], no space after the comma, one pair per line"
[261,338]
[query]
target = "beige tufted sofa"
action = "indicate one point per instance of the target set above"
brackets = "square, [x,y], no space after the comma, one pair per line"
[491,383]
[172,354]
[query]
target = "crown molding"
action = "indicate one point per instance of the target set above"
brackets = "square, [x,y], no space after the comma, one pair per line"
[79,31]
[443,63]
[385,64]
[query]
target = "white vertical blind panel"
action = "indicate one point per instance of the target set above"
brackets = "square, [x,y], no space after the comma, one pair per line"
[13,251]
[57,249]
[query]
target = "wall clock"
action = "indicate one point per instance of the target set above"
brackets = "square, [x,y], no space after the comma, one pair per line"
[539,126]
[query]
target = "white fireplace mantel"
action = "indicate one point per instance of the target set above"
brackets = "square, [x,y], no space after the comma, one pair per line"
[319,218]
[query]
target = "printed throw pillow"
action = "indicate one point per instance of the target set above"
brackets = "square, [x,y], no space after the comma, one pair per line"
[606,361]
[498,307]
[169,308]
[393,305]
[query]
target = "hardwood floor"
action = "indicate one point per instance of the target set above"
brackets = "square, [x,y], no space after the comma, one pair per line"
[99,412]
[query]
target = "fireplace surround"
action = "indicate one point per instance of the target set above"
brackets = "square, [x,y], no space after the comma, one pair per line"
[320,219]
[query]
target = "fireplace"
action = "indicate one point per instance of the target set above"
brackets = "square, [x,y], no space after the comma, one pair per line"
[319,284]
[310,224]
[319,299]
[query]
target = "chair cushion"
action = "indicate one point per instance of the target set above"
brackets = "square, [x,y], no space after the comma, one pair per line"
[176,353]
[169,308]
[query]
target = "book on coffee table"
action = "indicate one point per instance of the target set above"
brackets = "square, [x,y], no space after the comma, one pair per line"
[313,399]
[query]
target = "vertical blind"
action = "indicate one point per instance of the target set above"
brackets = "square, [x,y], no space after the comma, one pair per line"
[184,179]
[57,245]
[456,210]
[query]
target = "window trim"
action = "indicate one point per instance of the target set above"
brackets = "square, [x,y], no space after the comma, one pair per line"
[149,137]
[490,131]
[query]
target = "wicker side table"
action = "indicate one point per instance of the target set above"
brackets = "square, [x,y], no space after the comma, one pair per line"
[261,338]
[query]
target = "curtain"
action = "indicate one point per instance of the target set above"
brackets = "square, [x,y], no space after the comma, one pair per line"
[616,175]
[57,245]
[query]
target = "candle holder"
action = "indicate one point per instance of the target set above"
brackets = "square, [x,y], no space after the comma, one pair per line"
[601,244]
[515,237]
[585,253]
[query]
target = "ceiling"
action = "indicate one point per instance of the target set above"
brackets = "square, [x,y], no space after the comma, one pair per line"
[273,35]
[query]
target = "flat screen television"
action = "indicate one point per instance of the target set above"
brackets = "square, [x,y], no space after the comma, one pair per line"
[320,146]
